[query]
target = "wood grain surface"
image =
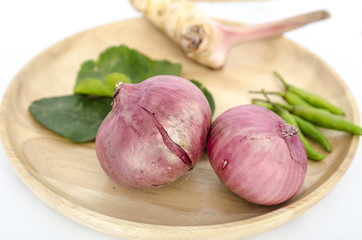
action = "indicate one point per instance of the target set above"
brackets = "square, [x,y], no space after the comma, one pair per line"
[68,177]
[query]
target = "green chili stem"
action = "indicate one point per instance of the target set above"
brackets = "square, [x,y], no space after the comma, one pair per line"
[282,94]
[289,97]
[282,80]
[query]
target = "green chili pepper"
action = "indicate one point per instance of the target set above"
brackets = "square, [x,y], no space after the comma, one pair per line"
[311,131]
[311,98]
[325,119]
[262,103]
[305,127]
[311,152]
[284,114]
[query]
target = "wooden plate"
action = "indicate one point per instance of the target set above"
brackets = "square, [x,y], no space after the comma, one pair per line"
[67,176]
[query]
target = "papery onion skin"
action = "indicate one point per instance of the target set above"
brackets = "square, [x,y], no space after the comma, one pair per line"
[155,132]
[257,155]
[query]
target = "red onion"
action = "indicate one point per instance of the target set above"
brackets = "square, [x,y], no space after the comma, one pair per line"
[257,155]
[155,132]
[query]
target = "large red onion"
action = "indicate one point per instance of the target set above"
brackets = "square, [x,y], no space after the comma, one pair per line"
[257,155]
[155,132]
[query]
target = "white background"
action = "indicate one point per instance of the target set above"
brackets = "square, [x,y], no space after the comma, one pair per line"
[28,27]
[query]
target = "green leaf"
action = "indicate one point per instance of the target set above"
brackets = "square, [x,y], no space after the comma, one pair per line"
[137,67]
[207,94]
[163,67]
[123,60]
[76,117]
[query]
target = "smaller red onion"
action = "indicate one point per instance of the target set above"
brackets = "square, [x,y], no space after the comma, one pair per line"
[257,155]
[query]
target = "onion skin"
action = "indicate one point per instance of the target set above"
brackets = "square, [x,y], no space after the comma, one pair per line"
[155,132]
[257,155]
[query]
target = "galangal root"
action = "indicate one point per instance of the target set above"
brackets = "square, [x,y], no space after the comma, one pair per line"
[206,40]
